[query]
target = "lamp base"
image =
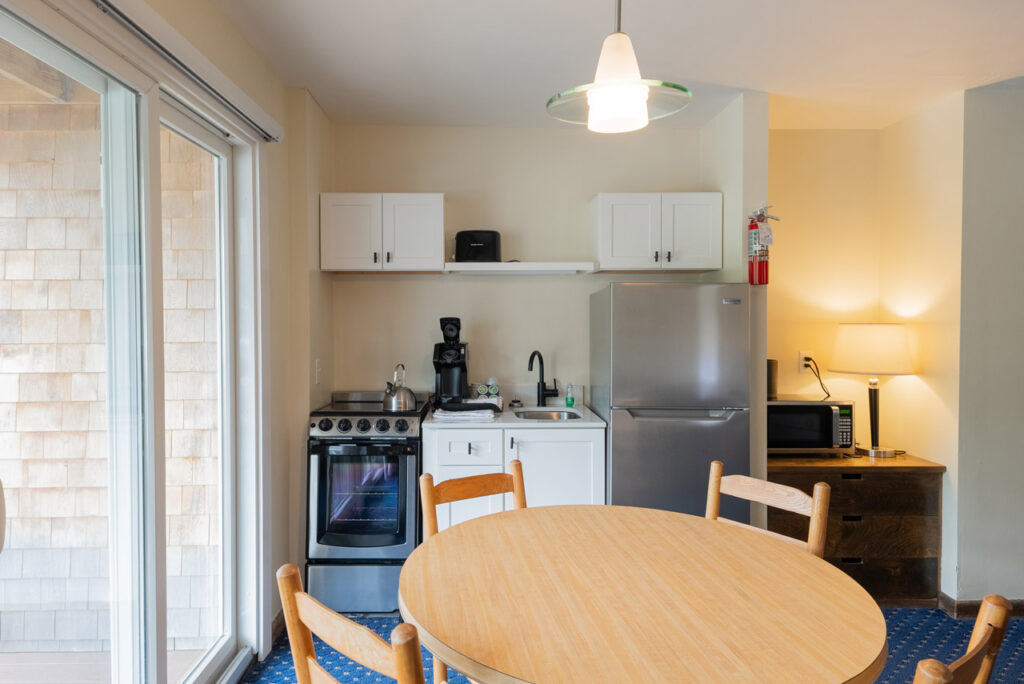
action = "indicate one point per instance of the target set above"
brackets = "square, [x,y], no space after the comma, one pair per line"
[877,452]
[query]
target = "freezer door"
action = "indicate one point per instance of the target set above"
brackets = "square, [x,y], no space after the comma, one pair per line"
[680,345]
[660,458]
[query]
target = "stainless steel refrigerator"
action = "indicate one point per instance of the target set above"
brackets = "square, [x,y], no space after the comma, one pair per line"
[669,373]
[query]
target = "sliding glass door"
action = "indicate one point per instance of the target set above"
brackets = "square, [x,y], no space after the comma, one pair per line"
[117,376]
[195,188]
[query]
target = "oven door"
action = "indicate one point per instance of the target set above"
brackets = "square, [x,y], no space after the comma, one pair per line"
[363,502]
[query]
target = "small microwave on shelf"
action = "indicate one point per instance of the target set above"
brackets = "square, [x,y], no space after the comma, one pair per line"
[810,427]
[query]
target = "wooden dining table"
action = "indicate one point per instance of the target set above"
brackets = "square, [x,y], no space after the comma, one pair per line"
[620,594]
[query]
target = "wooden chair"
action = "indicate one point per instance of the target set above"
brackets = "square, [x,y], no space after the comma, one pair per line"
[773,494]
[304,616]
[460,489]
[975,666]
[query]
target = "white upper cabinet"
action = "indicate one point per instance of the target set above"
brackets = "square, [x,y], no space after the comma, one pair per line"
[374,232]
[691,230]
[672,231]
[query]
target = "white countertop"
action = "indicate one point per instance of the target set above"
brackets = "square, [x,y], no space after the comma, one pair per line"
[508,420]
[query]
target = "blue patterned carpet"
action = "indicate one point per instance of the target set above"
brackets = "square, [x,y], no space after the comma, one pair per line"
[914,634]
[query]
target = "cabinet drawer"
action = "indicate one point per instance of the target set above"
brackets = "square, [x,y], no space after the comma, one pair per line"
[891,578]
[858,492]
[469,447]
[867,536]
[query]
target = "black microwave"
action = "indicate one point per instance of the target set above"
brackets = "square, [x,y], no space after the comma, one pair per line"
[810,427]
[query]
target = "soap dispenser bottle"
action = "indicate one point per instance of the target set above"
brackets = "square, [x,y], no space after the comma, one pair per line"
[570,398]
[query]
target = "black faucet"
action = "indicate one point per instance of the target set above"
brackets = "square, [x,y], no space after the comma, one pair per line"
[542,391]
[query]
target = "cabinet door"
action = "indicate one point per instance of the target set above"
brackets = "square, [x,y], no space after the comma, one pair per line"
[691,230]
[560,466]
[628,231]
[413,232]
[450,454]
[350,237]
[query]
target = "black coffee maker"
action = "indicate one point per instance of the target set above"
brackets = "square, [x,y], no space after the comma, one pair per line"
[451,384]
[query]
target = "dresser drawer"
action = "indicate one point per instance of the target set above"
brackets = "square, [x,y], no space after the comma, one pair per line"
[860,493]
[867,536]
[892,578]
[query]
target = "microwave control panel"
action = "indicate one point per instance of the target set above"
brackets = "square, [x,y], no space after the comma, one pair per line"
[845,428]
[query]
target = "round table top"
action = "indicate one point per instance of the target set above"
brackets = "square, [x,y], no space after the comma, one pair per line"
[618,594]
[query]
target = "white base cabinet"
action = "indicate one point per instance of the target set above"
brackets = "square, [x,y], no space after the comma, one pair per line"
[561,466]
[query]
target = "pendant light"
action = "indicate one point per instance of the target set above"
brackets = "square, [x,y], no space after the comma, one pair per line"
[619,100]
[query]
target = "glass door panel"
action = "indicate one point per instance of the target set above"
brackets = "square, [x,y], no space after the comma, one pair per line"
[192,185]
[55,618]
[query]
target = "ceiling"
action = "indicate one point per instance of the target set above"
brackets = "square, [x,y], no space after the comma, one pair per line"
[828,64]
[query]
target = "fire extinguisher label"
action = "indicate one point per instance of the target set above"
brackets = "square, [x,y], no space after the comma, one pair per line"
[753,242]
[764,234]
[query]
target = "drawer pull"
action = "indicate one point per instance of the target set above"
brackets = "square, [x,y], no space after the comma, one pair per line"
[852,518]
[469,448]
[852,476]
[852,561]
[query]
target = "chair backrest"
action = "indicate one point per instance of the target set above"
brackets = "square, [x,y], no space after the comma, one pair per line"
[305,616]
[471,487]
[975,666]
[773,494]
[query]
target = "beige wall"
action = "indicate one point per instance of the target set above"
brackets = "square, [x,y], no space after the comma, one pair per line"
[533,185]
[309,169]
[871,232]
[991,539]
[825,260]
[920,177]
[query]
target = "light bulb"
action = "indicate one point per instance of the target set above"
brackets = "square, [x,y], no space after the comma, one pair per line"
[617,108]
[618,101]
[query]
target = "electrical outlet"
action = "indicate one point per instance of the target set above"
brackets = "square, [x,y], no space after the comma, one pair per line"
[800,364]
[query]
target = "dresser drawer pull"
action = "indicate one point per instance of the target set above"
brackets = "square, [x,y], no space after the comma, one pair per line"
[852,518]
[851,476]
[852,561]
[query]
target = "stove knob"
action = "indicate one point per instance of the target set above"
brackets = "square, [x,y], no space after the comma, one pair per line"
[325,424]
[344,425]
[401,425]
[363,425]
[382,425]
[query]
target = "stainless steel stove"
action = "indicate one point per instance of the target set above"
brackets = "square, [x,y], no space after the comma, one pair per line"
[364,513]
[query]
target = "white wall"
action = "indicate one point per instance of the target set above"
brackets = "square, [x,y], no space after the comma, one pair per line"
[991,538]
[533,185]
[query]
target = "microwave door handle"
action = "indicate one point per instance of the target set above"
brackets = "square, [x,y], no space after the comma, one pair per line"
[835,427]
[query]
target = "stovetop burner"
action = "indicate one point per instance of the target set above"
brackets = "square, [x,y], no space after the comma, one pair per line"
[352,415]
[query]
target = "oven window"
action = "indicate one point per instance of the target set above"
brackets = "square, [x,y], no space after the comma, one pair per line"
[363,495]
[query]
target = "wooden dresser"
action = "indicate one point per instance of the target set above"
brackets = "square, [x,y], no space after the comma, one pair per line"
[884,520]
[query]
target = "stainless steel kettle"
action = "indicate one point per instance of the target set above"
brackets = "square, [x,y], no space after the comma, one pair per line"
[398,397]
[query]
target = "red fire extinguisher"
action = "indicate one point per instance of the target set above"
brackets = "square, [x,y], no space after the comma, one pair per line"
[759,238]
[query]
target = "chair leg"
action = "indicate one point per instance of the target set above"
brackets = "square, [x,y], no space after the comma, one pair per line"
[440,671]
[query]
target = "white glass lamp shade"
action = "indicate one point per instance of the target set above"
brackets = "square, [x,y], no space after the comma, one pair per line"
[618,99]
[872,349]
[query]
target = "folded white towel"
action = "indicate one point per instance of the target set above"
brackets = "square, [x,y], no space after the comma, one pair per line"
[482,416]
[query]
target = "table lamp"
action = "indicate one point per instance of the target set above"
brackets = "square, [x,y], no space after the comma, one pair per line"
[872,349]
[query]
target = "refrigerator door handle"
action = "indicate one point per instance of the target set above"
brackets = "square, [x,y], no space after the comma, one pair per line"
[703,415]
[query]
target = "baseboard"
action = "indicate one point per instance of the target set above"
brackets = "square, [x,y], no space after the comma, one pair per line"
[276,627]
[969,609]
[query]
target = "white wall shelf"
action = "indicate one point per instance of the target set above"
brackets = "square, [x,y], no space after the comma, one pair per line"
[519,267]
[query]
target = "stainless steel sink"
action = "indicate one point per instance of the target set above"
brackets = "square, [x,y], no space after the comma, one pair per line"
[540,414]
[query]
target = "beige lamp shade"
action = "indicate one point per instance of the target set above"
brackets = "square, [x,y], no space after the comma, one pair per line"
[872,349]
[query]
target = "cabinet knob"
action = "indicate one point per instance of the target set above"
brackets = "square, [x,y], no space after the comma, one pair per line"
[655,255]
[511,442]
[668,257]
[388,257]
[374,257]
